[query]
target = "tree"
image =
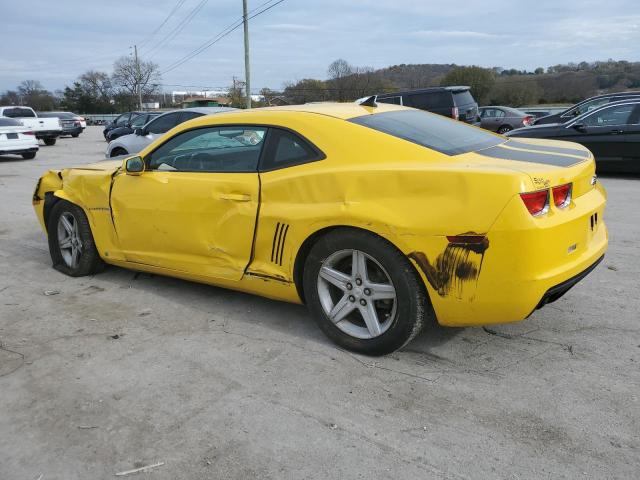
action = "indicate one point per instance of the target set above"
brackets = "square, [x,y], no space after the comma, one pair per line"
[338,73]
[305,91]
[516,94]
[539,71]
[481,80]
[10,97]
[237,95]
[34,95]
[133,77]
[92,92]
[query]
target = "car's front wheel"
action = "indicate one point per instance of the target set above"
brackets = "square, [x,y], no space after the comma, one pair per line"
[29,155]
[504,129]
[363,292]
[49,141]
[118,151]
[71,245]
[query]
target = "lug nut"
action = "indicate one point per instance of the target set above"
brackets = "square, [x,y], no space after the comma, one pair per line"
[358,282]
[363,302]
[349,286]
[352,298]
[367,291]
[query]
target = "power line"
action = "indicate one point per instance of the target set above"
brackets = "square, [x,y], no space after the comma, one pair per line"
[218,37]
[173,33]
[164,22]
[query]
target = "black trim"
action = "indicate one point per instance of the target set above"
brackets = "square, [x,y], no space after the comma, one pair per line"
[557,291]
[523,156]
[277,245]
[270,150]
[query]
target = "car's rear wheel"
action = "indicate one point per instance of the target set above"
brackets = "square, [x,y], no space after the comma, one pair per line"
[363,292]
[49,141]
[504,129]
[75,135]
[118,151]
[29,155]
[71,245]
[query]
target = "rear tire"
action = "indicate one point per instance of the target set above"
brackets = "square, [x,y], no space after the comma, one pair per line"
[75,135]
[29,155]
[118,151]
[504,129]
[374,313]
[71,245]
[49,141]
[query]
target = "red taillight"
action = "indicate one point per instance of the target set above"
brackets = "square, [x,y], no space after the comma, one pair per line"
[536,202]
[28,133]
[562,195]
[454,113]
[528,121]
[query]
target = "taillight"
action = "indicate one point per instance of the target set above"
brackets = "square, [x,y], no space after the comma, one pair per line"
[455,114]
[28,133]
[562,195]
[527,121]
[536,202]
[59,123]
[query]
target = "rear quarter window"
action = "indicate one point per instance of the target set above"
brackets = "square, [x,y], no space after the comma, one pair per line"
[428,130]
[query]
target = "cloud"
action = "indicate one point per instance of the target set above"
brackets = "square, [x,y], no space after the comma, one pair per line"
[291,27]
[468,34]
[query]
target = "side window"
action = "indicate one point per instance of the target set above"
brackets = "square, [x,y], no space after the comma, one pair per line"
[122,120]
[10,112]
[214,149]
[184,116]
[488,113]
[139,121]
[164,123]
[26,113]
[616,115]
[587,107]
[499,113]
[287,149]
[393,100]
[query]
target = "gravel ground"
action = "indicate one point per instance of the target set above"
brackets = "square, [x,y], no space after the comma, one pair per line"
[123,370]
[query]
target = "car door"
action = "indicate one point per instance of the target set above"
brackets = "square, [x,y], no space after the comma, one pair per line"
[194,207]
[602,131]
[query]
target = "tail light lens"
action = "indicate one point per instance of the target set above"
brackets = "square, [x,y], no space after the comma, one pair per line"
[455,114]
[59,123]
[528,121]
[536,202]
[562,195]
[28,133]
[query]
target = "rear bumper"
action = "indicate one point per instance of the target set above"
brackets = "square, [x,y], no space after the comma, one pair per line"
[17,150]
[48,133]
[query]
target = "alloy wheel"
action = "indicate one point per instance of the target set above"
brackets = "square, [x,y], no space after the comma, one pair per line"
[69,239]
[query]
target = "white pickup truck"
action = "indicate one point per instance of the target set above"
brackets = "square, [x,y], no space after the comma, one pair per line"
[47,129]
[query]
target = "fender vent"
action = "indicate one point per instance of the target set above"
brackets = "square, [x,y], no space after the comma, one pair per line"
[277,247]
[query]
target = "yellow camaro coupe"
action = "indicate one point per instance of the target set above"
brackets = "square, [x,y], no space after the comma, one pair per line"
[378,217]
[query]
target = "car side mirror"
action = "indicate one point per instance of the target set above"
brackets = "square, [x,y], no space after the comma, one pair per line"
[581,127]
[139,131]
[134,165]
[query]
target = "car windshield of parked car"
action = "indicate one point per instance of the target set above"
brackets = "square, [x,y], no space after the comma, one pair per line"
[615,115]
[163,123]
[9,122]
[216,149]
[140,120]
[450,137]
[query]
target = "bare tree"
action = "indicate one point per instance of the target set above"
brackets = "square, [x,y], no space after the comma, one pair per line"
[136,77]
[33,94]
[338,72]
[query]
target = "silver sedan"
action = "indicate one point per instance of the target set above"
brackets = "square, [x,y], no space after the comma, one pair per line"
[504,119]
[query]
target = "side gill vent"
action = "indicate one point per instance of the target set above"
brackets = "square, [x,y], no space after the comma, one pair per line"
[277,247]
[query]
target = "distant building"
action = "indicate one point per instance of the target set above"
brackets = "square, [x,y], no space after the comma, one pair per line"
[151,106]
[191,102]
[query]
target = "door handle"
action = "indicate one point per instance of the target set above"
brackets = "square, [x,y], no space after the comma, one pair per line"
[236,197]
[617,131]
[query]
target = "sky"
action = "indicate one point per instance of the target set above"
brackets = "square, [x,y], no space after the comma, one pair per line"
[54,41]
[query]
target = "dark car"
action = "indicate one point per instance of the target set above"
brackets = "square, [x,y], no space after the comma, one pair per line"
[68,121]
[503,119]
[135,122]
[586,106]
[453,102]
[120,121]
[611,132]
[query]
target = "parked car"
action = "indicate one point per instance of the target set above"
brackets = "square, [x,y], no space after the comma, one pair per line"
[611,132]
[47,129]
[138,121]
[158,126]
[453,102]
[16,139]
[369,215]
[120,121]
[68,121]
[586,106]
[503,119]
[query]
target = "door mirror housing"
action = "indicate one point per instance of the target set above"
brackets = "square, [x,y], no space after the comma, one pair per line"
[134,165]
[139,131]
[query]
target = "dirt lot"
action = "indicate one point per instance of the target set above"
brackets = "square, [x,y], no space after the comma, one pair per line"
[122,370]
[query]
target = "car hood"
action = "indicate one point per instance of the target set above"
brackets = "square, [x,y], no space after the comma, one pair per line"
[105,165]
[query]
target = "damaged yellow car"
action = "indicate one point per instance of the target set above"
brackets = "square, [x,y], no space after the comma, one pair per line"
[378,217]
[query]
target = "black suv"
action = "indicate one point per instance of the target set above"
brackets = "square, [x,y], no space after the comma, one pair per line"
[586,106]
[453,102]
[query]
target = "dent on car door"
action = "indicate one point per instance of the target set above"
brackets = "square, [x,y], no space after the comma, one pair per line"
[194,207]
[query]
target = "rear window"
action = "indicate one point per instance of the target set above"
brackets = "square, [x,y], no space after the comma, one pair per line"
[18,112]
[9,122]
[432,131]
[429,100]
[463,98]
[392,100]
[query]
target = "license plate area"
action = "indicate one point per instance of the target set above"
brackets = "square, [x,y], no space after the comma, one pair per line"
[12,136]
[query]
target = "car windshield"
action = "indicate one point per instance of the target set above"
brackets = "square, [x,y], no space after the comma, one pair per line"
[429,130]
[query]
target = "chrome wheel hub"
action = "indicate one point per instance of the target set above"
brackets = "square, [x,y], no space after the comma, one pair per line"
[69,239]
[357,294]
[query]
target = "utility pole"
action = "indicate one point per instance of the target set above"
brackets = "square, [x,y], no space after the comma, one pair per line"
[139,87]
[247,70]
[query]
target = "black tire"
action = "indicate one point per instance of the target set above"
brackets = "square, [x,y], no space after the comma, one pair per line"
[29,155]
[75,135]
[89,261]
[49,141]
[504,129]
[118,151]
[412,309]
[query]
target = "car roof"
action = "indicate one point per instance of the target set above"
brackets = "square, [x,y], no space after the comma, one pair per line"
[629,101]
[508,109]
[452,88]
[332,109]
